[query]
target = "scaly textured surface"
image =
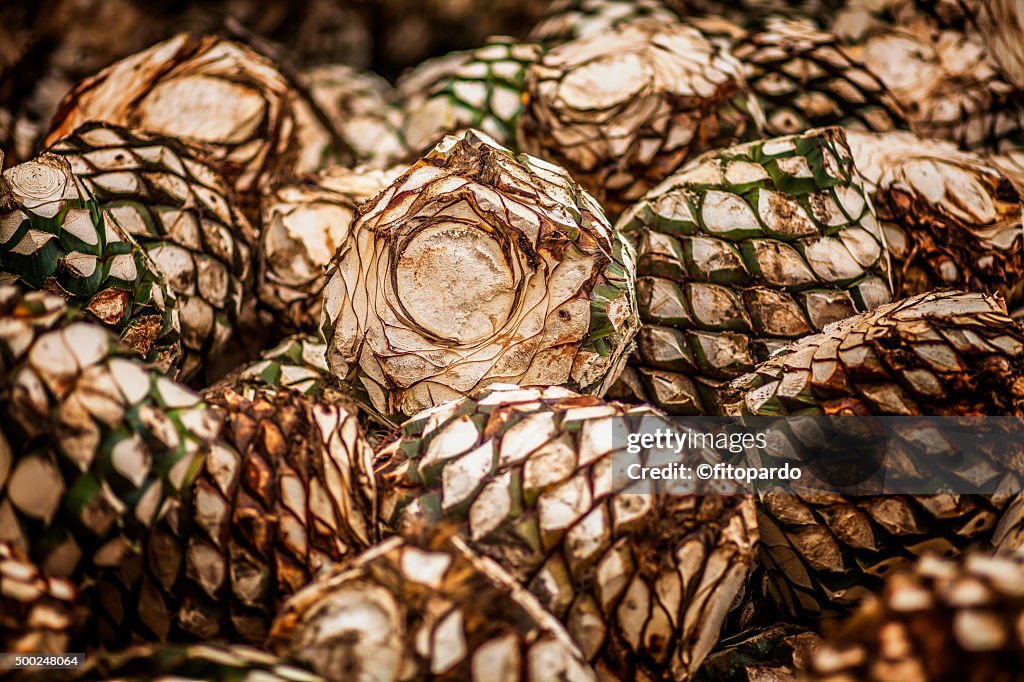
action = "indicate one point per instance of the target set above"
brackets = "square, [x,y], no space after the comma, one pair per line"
[946,84]
[570,19]
[287,490]
[102,447]
[804,78]
[298,363]
[1011,163]
[750,13]
[361,106]
[623,109]
[943,621]
[740,252]
[429,610]
[774,653]
[963,356]
[183,214]
[304,223]
[53,235]
[481,88]
[207,90]
[950,218]
[38,614]
[944,353]
[1000,23]
[643,582]
[478,266]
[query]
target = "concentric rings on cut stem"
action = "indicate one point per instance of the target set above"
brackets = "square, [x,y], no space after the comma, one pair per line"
[475,267]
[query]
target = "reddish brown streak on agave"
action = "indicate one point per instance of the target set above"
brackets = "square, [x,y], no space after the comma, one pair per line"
[951,219]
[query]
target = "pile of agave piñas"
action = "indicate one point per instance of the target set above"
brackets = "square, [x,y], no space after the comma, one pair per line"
[309,376]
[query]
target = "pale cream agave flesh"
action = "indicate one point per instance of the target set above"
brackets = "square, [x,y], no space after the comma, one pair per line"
[478,266]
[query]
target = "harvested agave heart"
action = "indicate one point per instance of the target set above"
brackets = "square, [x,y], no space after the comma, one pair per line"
[740,252]
[804,78]
[304,223]
[55,236]
[750,13]
[1000,24]
[425,609]
[478,266]
[38,613]
[774,653]
[946,84]
[166,196]
[642,574]
[102,447]
[854,20]
[947,354]
[941,621]
[361,106]
[951,219]
[209,90]
[624,108]
[481,88]
[997,25]
[570,19]
[298,363]
[286,491]
[1011,164]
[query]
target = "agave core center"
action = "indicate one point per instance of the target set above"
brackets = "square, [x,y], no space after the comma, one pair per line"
[208,109]
[455,281]
[604,83]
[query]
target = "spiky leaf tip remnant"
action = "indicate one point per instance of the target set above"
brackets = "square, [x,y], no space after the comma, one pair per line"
[804,78]
[642,575]
[430,610]
[104,446]
[942,621]
[742,251]
[478,266]
[209,90]
[951,218]
[304,223]
[481,89]
[38,613]
[362,108]
[287,491]
[55,236]
[168,198]
[623,109]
